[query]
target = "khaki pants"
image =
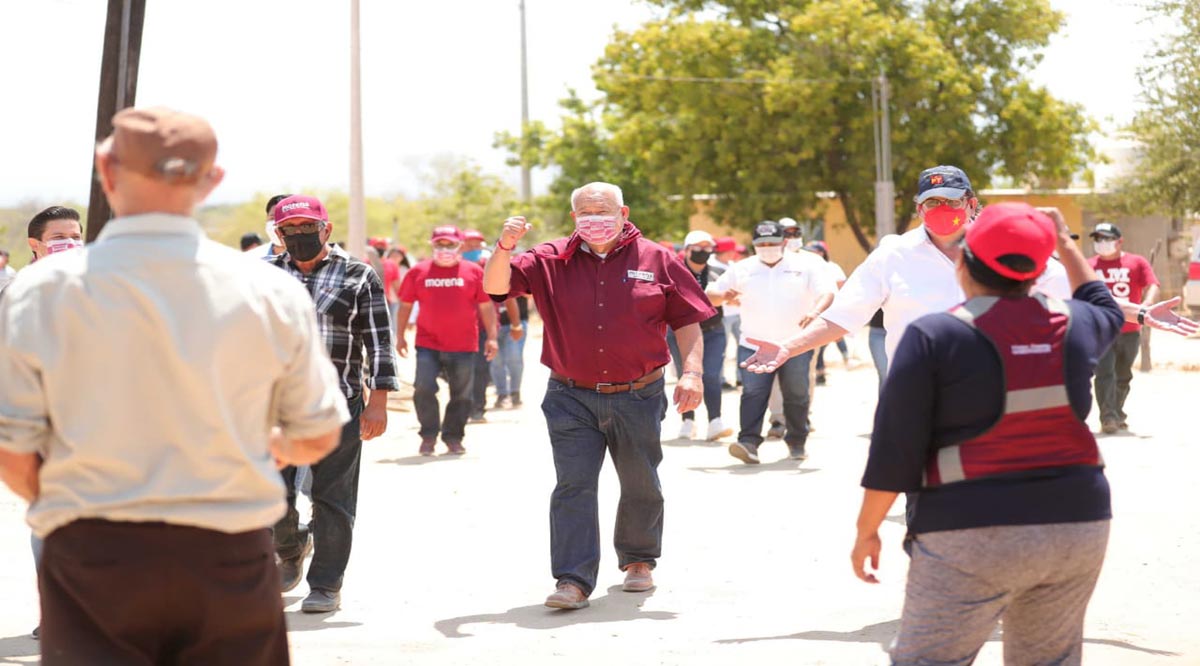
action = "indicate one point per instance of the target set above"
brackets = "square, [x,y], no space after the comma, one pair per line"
[1036,578]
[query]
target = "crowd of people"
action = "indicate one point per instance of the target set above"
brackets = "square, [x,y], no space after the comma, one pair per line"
[250,377]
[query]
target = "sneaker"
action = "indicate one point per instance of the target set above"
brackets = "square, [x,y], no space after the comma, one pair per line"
[477,417]
[321,601]
[820,379]
[726,387]
[745,452]
[717,429]
[456,448]
[516,398]
[686,429]
[796,452]
[427,444]
[1109,427]
[503,402]
[776,431]
[291,570]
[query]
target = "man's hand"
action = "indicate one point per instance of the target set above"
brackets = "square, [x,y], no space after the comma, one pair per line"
[490,349]
[866,548]
[516,332]
[514,229]
[402,345]
[1162,317]
[768,358]
[731,297]
[373,420]
[1064,233]
[689,392]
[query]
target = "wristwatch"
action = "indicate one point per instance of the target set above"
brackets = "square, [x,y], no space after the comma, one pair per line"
[1142,317]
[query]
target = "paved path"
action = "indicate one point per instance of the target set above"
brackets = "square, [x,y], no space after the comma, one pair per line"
[451,557]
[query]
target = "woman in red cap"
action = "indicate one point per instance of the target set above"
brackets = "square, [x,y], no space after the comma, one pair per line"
[981,421]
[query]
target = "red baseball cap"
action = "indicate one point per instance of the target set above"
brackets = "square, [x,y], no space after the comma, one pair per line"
[447,232]
[473,234]
[725,244]
[299,205]
[1012,228]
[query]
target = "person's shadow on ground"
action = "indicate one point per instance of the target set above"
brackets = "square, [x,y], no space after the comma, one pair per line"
[17,649]
[882,633]
[614,606]
[741,468]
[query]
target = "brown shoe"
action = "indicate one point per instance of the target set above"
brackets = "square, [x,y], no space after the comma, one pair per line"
[456,448]
[427,444]
[638,578]
[568,596]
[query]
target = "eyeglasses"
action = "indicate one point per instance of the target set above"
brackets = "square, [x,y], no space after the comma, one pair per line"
[294,229]
[791,233]
[934,202]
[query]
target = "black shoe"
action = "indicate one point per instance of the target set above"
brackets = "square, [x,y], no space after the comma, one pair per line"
[321,601]
[516,398]
[796,452]
[477,417]
[821,379]
[726,386]
[291,570]
[37,633]
[745,452]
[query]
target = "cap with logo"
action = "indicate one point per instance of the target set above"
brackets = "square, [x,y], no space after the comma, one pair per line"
[165,144]
[446,232]
[698,236]
[1106,230]
[1012,228]
[947,182]
[767,231]
[300,205]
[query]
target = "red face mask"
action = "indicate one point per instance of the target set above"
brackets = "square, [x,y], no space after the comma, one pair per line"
[945,221]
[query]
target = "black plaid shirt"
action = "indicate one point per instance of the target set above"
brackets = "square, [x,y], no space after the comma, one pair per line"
[352,313]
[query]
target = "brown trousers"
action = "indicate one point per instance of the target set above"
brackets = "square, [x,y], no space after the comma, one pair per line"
[152,593]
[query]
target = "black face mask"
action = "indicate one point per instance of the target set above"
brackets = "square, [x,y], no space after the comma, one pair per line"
[699,256]
[304,246]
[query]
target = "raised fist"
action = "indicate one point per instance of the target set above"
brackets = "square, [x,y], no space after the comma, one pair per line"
[514,229]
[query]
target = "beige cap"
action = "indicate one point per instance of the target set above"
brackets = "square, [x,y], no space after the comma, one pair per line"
[162,143]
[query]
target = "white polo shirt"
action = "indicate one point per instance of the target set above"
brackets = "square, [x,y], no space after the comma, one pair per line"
[1053,281]
[775,298]
[147,370]
[908,277]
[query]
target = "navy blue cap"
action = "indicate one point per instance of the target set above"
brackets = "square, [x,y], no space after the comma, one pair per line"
[767,231]
[948,182]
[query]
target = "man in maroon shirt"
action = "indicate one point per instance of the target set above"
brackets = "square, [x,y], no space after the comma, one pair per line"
[450,292]
[607,296]
[1131,278]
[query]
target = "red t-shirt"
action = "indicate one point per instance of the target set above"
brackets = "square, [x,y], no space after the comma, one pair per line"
[448,320]
[606,319]
[391,275]
[1126,277]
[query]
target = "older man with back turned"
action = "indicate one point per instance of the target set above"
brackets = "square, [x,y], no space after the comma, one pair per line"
[142,378]
[606,295]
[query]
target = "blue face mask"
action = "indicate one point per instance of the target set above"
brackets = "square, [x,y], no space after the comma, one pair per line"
[472,255]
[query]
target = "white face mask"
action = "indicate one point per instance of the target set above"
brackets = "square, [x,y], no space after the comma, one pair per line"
[769,254]
[795,244]
[272,236]
[445,256]
[1105,247]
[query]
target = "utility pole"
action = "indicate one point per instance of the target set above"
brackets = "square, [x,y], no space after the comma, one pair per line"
[885,189]
[356,241]
[118,88]
[526,185]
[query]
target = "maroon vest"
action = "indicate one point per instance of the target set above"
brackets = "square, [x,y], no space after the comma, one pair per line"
[1038,428]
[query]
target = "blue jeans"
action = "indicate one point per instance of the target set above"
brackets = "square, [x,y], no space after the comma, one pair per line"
[584,425]
[714,358]
[509,363]
[877,341]
[756,393]
[460,370]
[842,347]
[335,504]
[481,375]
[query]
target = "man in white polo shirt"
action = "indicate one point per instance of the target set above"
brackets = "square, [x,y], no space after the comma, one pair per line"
[779,293]
[908,278]
[142,377]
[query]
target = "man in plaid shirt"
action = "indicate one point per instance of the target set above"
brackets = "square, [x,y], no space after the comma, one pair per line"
[352,313]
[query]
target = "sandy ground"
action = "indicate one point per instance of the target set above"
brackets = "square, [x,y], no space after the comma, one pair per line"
[451,559]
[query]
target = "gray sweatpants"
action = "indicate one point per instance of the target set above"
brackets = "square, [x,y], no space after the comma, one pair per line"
[1037,578]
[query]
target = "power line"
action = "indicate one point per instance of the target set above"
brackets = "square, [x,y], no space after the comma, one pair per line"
[708,79]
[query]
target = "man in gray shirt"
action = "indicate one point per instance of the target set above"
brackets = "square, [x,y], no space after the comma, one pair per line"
[153,383]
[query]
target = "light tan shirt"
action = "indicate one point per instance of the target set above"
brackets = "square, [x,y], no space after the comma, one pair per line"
[147,370]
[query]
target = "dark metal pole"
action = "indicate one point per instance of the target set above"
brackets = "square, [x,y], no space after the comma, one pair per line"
[118,88]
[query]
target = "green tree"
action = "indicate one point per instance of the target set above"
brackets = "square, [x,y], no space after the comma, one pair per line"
[1168,126]
[767,103]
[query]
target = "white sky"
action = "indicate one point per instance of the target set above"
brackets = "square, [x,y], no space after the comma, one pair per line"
[438,78]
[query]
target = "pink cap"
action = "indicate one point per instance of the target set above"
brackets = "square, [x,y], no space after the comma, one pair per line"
[300,205]
[473,234]
[447,232]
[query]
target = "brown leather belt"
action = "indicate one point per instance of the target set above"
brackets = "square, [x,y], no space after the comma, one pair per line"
[605,387]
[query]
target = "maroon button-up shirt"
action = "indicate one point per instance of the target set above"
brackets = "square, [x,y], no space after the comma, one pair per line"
[606,319]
